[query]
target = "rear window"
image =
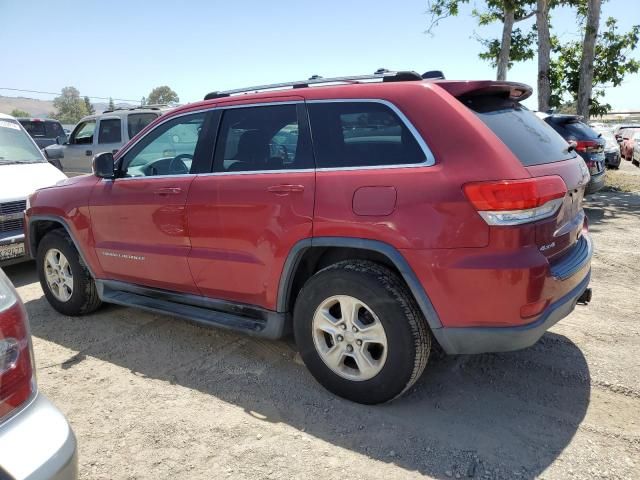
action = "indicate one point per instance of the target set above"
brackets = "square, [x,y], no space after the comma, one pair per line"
[530,139]
[573,129]
[35,129]
[54,129]
[137,121]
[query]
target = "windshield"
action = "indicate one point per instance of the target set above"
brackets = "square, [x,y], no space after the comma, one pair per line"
[15,144]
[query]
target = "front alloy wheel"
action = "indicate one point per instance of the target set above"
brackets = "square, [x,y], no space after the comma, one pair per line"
[58,275]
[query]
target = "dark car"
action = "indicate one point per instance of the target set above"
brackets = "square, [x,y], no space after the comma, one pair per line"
[588,143]
[45,132]
[343,214]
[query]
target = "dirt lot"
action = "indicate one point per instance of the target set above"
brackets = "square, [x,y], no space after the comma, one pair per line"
[150,396]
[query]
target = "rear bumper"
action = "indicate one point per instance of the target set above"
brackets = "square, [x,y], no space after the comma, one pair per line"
[612,159]
[596,183]
[503,339]
[37,444]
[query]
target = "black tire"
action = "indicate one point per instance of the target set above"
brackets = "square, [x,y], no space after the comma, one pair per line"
[84,298]
[408,336]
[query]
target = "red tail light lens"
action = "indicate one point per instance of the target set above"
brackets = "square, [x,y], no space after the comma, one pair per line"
[587,146]
[514,202]
[515,194]
[16,367]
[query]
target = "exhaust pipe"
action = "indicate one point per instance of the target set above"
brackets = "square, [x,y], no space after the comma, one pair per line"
[585,298]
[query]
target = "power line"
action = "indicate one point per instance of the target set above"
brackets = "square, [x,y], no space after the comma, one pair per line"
[58,93]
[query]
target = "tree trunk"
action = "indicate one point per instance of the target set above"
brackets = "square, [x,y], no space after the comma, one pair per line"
[505,45]
[544,55]
[588,54]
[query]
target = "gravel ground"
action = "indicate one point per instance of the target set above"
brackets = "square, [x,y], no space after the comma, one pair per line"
[150,396]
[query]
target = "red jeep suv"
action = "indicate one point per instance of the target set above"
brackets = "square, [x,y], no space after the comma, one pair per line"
[372,216]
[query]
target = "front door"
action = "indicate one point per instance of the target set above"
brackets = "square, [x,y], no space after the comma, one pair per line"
[246,216]
[78,152]
[138,219]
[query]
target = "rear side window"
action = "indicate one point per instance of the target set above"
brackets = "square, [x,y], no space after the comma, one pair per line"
[35,129]
[109,131]
[530,138]
[262,138]
[361,134]
[137,121]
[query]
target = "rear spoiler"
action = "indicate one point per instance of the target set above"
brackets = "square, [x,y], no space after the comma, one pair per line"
[471,88]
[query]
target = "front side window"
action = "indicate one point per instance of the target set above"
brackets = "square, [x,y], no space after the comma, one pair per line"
[261,138]
[15,145]
[109,131]
[137,121]
[83,133]
[167,150]
[361,134]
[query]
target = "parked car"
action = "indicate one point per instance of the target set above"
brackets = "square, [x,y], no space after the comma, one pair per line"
[45,132]
[611,149]
[587,142]
[23,169]
[376,234]
[35,439]
[630,137]
[636,154]
[105,132]
[617,132]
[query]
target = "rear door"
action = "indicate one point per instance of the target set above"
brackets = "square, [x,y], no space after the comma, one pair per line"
[245,217]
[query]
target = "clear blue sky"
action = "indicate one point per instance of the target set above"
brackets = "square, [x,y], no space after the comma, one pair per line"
[123,49]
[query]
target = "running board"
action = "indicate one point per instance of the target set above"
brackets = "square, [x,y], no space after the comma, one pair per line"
[201,310]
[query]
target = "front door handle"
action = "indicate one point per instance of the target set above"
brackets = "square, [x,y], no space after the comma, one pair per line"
[285,189]
[163,192]
[88,153]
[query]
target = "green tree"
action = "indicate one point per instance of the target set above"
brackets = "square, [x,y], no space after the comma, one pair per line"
[16,112]
[612,62]
[69,106]
[513,46]
[87,103]
[143,102]
[112,105]
[162,95]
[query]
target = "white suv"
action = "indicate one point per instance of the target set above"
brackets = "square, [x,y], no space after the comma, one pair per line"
[23,170]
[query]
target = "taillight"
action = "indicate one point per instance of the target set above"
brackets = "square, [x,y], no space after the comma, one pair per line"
[16,362]
[514,202]
[587,146]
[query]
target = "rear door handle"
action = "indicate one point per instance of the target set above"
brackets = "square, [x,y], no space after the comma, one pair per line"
[285,189]
[163,192]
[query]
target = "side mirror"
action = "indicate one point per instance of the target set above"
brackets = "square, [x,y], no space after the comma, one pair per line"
[103,165]
[54,152]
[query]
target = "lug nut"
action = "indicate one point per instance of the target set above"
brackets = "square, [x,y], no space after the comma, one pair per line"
[349,348]
[340,338]
[354,329]
[343,326]
[359,342]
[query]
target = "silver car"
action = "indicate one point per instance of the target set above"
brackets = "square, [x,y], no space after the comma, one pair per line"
[36,442]
[105,132]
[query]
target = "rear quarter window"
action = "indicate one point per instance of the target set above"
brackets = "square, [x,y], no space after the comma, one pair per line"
[530,138]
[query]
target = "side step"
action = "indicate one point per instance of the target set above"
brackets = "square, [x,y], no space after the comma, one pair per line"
[200,310]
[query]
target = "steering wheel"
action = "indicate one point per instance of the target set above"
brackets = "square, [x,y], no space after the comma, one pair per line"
[177,165]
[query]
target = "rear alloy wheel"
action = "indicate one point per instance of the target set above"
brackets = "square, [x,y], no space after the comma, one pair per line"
[360,332]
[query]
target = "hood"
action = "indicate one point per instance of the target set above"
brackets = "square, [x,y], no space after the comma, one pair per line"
[18,181]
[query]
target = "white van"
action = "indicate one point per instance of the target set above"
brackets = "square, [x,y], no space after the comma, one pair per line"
[23,169]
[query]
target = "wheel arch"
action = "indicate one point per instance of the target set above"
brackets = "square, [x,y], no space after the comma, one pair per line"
[309,255]
[40,225]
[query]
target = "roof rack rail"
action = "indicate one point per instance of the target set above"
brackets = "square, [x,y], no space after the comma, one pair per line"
[155,106]
[380,74]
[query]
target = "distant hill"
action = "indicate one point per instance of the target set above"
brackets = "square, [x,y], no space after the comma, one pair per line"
[42,108]
[36,108]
